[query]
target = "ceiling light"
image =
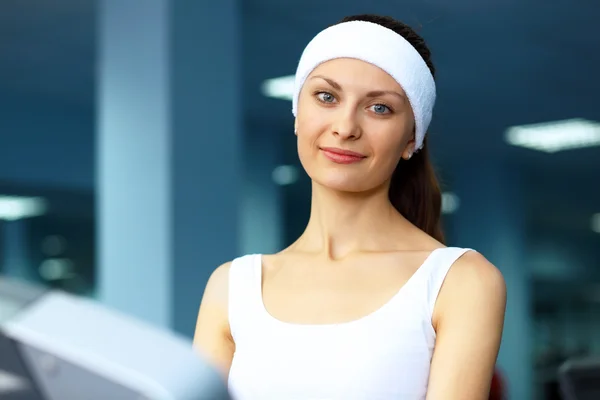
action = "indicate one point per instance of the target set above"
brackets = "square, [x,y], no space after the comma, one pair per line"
[17,207]
[450,203]
[279,88]
[284,175]
[596,223]
[10,383]
[55,269]
[551,137]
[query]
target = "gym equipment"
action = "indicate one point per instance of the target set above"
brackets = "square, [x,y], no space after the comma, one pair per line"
[57,346]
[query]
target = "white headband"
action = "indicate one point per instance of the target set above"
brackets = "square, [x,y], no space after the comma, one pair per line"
[383,48]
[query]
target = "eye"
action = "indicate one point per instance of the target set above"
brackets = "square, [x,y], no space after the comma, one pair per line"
[325,97]
[380,109]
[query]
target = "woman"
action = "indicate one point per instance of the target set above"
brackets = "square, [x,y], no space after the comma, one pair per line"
[365,304]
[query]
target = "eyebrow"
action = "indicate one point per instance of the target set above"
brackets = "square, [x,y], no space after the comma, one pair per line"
[374,93]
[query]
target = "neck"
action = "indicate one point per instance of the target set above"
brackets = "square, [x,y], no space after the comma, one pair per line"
[342,223]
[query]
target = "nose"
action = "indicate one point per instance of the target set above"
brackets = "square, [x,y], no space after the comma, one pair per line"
[346,124]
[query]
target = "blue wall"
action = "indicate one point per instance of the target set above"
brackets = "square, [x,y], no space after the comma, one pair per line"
[43,143]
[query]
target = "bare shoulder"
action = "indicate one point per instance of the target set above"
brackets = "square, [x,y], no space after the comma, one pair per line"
[215,300]
[217,287]
[473,280]
[473,271]
[212,336]
[468,319]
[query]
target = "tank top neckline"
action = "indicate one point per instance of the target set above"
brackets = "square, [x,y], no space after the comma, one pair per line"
[266,315]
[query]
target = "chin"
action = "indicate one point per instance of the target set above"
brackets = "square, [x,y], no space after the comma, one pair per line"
[340,178]
[342,183]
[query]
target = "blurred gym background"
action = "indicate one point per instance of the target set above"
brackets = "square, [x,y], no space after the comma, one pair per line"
[143,143]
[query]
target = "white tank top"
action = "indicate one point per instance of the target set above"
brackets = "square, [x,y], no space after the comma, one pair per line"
[385,355]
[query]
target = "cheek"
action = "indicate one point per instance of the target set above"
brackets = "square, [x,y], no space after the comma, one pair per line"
[306,150]
[310,119]
[389,154]
[387,149]
[310,129]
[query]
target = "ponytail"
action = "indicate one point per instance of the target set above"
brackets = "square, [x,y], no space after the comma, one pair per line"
[416,194]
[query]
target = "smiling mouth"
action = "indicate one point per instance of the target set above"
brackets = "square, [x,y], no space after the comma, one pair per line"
[341,156]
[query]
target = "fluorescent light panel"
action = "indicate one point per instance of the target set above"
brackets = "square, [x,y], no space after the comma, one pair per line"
[17,207]
[551,137]
[279,88]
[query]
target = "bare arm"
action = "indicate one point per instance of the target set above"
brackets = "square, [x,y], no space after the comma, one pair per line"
[212,337]
[469,318]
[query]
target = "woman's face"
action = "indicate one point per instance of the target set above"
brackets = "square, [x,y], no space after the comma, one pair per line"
[354,123]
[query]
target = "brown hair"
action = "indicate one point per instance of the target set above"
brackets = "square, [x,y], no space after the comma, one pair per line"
[414,190]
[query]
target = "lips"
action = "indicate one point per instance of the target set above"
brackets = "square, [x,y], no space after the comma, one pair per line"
[341,156]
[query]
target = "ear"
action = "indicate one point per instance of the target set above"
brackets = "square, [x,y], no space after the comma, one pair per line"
[409,150]
[296,127]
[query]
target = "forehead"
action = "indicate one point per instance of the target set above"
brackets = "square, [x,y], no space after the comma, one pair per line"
[356,73]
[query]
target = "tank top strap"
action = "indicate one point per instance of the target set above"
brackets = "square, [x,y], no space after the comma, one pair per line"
[244,291]
[436,269]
